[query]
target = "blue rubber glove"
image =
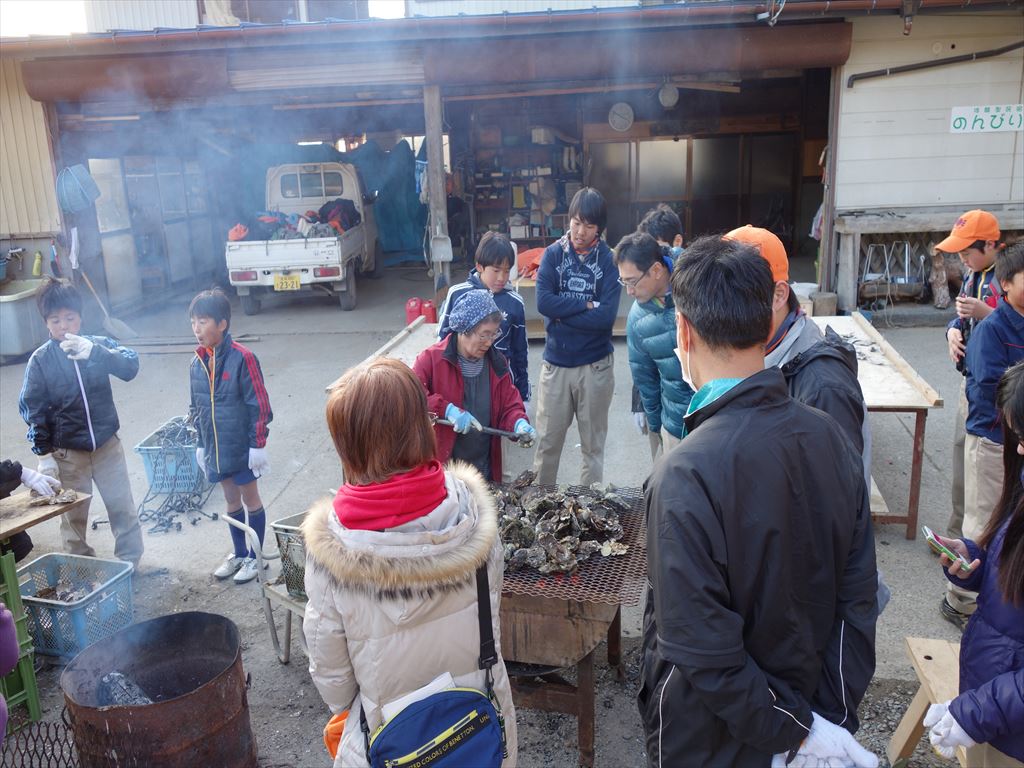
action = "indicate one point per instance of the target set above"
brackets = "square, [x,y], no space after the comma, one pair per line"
[527,434]
[462,421]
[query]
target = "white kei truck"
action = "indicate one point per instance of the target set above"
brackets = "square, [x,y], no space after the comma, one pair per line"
[259,267]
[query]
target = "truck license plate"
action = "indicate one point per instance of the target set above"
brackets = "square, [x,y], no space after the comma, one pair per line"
[287,283]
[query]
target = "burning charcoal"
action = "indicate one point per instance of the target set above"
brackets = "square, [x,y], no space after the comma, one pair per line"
[119,690]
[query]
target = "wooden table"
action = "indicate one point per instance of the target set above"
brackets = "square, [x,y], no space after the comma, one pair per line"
[889,385]
[937,663]
[17,516]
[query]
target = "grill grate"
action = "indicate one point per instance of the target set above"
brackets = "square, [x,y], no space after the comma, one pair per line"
[41,744]
[619,580]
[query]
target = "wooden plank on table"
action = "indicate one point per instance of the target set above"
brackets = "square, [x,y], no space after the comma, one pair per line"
[885,386]
[17,516]
[404,345]
[556,632]
[926,390]
[535,328]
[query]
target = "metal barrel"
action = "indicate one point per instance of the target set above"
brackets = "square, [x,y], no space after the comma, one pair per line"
[190,665]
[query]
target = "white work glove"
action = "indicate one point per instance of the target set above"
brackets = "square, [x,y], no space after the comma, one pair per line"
[42,484]
[828,746]
[527,434]
[201,458]
[48,466]
[945,734]
[640,422]
[76,347]
[259,462]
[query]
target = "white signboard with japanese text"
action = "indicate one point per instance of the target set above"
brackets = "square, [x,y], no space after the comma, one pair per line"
[987,119]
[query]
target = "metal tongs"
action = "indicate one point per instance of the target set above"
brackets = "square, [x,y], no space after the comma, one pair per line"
[435,419]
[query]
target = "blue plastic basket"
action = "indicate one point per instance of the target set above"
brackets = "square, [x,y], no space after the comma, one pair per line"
[169,469]
[65,628]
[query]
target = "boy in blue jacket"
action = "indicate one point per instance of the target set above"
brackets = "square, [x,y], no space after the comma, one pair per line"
[72,422]
[494,259]
[996,343]
[232,410]
[578,295]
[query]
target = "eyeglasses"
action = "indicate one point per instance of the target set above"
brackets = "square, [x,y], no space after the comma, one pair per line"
[633,283]
[489,336]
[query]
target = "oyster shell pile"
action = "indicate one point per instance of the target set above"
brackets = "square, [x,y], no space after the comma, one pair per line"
[553,531]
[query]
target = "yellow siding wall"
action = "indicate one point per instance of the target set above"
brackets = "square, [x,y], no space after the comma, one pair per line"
[105,15]
[28,203]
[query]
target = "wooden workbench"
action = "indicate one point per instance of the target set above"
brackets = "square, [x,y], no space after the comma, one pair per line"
[527,288]
[17,516]
[889,385]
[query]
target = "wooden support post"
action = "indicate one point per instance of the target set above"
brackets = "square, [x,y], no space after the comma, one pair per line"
[849,261]
[585,712]
[615,646]
[915,474]
[435,183]
[908,733]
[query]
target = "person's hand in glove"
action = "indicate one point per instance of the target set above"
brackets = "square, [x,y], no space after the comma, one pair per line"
[48,466]
[201,458]
[828,746]
[527,434]
[462,421]
[945,733]
[259,462]
[640,422]
[76,347]
[42,484]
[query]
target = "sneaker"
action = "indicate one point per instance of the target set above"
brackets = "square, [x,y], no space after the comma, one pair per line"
[229,567]
[952,615]
[247,571]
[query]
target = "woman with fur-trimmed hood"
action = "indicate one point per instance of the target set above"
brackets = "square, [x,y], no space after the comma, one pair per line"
[390,565]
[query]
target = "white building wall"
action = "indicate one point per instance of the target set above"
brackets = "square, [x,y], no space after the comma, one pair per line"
[482,7]
[895,148]
[105,15]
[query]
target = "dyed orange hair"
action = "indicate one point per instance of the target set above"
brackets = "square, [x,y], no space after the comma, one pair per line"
[377,416]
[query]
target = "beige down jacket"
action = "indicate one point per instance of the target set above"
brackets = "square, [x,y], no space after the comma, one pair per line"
[391,610]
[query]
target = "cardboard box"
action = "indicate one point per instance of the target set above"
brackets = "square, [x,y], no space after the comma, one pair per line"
[542,135]
[518,231]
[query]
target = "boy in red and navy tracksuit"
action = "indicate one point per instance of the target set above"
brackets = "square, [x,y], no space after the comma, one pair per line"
[231,410]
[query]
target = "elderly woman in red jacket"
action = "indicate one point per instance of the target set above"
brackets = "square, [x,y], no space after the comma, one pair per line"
[469,384]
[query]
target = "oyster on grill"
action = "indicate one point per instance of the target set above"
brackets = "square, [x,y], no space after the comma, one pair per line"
[553,530]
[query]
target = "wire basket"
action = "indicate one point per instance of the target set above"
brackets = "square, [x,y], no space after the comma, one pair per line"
[43,744]
[171,467]
[100,603]
[293,553]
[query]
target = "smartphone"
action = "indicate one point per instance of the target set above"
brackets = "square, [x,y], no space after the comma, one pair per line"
[941,548]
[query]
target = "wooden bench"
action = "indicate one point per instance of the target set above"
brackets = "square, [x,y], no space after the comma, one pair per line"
[937,663]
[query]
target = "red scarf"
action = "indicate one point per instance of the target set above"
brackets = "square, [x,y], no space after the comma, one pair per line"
[398,500]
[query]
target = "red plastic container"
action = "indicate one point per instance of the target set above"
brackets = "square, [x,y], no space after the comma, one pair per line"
[413,309]
[429,311]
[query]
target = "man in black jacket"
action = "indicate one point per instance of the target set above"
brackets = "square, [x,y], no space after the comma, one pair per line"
[760,622]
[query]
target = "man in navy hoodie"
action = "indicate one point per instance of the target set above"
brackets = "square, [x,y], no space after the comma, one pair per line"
[578,295]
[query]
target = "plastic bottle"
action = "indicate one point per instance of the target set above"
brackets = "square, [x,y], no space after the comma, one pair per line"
[37,265]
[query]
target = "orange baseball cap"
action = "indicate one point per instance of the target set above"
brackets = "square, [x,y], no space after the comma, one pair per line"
[770,246]
[972,226]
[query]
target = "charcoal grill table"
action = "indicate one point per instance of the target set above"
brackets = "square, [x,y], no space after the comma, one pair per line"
[558,621]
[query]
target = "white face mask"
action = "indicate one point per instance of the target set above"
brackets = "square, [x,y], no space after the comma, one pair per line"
[684,364]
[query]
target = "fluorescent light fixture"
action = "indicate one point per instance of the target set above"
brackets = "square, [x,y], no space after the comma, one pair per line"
[310,143]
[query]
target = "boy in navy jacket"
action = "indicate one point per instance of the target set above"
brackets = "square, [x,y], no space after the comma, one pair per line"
[494,259]
[68,405]
[232,410]
[996,343]
[578,295]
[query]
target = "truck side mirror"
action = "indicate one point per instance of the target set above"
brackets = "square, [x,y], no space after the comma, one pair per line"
[369,198]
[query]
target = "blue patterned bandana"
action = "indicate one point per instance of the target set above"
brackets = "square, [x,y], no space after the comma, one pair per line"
[470,309]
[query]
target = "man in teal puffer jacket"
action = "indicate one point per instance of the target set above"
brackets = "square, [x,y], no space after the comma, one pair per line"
[645,270]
